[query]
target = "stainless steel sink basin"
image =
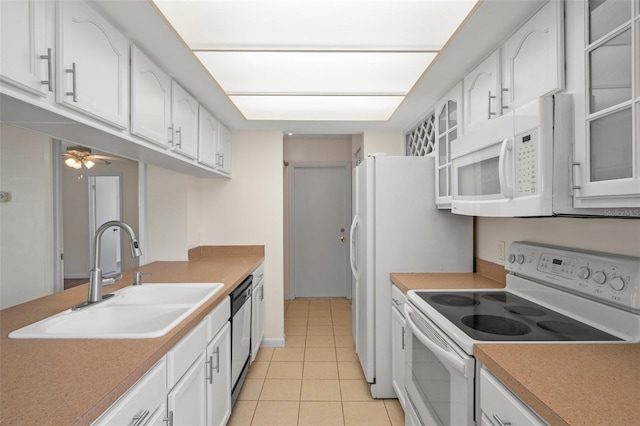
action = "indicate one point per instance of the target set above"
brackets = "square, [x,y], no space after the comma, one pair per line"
[140,312]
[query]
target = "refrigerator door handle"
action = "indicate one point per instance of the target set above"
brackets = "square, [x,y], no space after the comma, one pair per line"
[353,249]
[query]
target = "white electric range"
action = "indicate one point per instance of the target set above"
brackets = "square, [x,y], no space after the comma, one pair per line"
[553,294]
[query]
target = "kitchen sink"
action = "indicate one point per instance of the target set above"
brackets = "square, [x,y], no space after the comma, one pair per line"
[134,312]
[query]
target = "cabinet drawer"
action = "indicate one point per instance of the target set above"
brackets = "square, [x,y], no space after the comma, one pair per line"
[398,298]
[218,318]
[141,401]
[182,356]
[497,402]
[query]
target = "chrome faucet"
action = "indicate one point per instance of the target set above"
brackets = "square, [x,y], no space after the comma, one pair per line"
[95,275]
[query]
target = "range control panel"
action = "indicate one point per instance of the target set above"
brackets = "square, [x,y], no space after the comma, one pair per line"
[610,278]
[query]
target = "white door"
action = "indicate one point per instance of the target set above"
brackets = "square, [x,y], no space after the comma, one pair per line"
[481,99]
[320,219]
[187,402]
[185,121]
[104,205]
[219,377]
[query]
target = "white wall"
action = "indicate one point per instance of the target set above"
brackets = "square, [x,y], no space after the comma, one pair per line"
[391,143]
[167,229]
[248,210]
[620,236]
[75,202]
[26,222]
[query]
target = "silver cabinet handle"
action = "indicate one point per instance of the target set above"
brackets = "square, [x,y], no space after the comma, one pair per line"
[49,80]
[574,185]
[500,422]
[489,103]
[139,418]
[262,292]
[169,419]
[217,352]
[73,71]
[170,141]
[208,364]
[396,301]
[403,331]
[179,132]
[504,106]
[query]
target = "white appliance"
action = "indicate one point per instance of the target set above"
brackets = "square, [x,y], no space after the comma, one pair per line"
[397,228]
[519,164]
[553,294]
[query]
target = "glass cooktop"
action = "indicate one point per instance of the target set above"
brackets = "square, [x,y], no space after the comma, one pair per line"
[500,315]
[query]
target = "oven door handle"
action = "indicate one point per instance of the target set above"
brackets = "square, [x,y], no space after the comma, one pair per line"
[446,354]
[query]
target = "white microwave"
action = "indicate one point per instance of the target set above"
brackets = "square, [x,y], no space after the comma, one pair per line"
[519,164]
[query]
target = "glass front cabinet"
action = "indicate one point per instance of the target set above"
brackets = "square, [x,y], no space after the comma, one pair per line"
[448,128]
[606,163]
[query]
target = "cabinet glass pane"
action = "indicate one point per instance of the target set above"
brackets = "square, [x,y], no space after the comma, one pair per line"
[479,178]
[442,150]
[611,147]
[442,182]
[442,121]
[610,68]
[453,114]
[606,15]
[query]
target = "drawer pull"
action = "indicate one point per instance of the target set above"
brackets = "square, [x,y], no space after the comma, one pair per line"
[139,418]
[49,81]
[500,422]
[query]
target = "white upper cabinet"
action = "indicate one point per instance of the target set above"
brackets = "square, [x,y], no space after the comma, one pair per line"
[533,59]
[150,100]
[27,60]
[607,145]
[93,64]
[207,138]
[481,98]
[184,112]
[448,122]
[224,149]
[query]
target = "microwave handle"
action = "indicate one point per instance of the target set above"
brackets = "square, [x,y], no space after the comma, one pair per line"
[505,189]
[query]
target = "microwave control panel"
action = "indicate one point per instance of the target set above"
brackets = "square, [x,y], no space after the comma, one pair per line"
[526,163]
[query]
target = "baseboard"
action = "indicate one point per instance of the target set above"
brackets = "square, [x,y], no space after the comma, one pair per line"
[273,342]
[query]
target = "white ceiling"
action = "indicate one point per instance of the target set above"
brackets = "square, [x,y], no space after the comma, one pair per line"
[490,23]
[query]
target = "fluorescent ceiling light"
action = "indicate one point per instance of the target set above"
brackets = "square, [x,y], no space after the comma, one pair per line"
[304,50]
[317,108]
[316,72]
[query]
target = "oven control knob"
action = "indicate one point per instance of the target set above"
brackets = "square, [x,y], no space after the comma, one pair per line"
[599,277]
[511,258]
[617,283]
[584,272]
[520,259]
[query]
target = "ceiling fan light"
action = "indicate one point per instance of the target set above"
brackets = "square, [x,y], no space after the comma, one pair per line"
[73,163]
[88,163]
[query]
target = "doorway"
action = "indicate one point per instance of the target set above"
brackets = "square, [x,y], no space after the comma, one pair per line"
[320,213]
[104,206]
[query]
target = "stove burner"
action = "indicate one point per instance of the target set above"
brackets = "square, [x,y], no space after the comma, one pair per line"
[562,328]
[496,297]
[496,325]
[454,300]
[526,311]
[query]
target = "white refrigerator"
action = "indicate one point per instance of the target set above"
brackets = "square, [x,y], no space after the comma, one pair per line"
[397,228]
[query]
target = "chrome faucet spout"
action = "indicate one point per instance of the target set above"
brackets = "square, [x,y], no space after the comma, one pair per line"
[95,275]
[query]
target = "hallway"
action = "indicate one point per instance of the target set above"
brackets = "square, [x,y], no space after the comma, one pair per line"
[316,379]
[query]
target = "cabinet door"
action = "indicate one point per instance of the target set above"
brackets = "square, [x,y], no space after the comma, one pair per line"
[23,44]
[187,400]
[533,58]
[481,92]
[185,121]
[219,377]
[207,138]
[93,65]
[398,325]
[257,319]
[448,122]
[150,99]
[224,149]
[607,158]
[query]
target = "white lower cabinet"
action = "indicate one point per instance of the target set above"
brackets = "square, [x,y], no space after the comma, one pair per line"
[398,327]
[143,404]
[257,311]
[191,385]
[501,407]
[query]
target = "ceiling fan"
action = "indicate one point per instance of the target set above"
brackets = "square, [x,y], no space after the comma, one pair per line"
[76,156]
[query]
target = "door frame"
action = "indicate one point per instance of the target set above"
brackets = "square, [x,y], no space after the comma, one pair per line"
[348,214]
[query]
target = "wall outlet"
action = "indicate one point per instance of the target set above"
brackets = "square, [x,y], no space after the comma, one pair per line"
[501,249]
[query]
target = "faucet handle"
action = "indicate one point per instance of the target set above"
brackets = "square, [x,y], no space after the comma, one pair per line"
[112,279]
[137,277]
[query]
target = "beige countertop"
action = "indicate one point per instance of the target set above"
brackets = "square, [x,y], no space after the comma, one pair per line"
[570,384]
[72,381]
[416,281]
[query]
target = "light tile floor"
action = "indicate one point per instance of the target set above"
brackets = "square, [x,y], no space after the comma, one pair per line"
[316,378]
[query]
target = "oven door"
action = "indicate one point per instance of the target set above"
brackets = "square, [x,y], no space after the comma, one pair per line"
[439,376]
